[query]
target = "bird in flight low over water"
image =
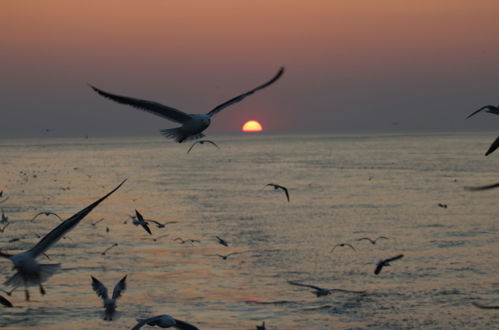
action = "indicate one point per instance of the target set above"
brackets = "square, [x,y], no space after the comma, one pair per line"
[202,142]
[386,262]
[277,186]
[28,271]
[341,245]
[372,241]
[488,108]
[192,124]
[222,241]
[164,321]
[142,222]
[109,303]
[46,213]
[322,291]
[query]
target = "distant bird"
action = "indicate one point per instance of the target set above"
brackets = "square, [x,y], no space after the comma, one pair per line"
[341,245]
[192,124]
[261,327]
[28,271]
[183,241]
[322,291]
[47,213]
[493,147]
[5,302]
[4,227]
[276,187]
[159,224]
[487,187]
[484,306]
[202,142]
[142,222]
[386,262]
[164,321]
[96,222]
[222,241]
[109,303]
[372,241]
[444,206]
[5,219]
[109,248]
[224,257]
[488,108]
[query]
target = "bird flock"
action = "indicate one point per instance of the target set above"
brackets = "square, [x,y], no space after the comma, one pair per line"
[29,272]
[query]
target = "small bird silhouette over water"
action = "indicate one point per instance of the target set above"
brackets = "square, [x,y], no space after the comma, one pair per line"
[322,291]
[222,241]
[159,224]
[202,142]
[109,303]
[192,124]
[386,262]
[47,213]
[164,321]
[224,257]
[488,108]
[183,241]
[487,187]
[444,206]
[5,302]
[372,241]
[142,222]
[341,245]
[28,271]
[276,187]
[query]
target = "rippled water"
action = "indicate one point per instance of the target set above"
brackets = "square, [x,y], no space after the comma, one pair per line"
[342,187]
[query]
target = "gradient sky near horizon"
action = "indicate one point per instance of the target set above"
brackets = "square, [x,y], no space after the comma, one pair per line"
[351,65]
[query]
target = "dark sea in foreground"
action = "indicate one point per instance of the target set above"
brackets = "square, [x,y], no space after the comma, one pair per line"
[342,187]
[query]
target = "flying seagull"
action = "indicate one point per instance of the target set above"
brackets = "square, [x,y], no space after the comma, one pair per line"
[109,303]
[109,248]
[493,147]
[5,302]
[487,187]
[488,108]
[224,257]
[484,306]
[202,142]
[142,222]
[192,124]
[222,241]
[46,213]
[322,291]
[164,321]
[183,241]
[386,262]
[28,271]
[372,241]
[276,187]
[341,245]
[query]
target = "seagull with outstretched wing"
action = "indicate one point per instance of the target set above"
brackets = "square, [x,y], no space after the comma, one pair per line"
[385,262]
[47,213]
[277,186]
[164,321]
[192,124]
[28,271]
[322,291]
[342,245]
[109,303]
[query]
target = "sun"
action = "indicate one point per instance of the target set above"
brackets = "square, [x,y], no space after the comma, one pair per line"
[252,126]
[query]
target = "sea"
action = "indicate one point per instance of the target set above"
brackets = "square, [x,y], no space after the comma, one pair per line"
[409,188]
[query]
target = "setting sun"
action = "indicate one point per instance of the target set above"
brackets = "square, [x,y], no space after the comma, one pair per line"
[252,126]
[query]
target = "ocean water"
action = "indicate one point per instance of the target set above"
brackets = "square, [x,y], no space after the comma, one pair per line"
[342,187]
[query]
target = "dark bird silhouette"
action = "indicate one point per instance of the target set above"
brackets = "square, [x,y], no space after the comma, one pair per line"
[96,222]
[202,142]
[28,271]
[183,241]
[386,262]
[164,321]
[488,108]
[493,147]
[192,124]
[47,213]
[224,257]
[276,187]
[109,303]
[444,206]
[5,302]
[341,245]
[261,327]
[142,222]
[372,241]
[159,224]
[487,187]
[484,306]
[222,241]
[109,248]
[322,291]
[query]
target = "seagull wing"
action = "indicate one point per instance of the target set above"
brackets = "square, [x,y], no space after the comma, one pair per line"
[120,287]
[286,192]
[99,288]
[209,141]
[149,106]
[182,325]
[65,226]
[146,228]
[493,147]
[382,237]
[490,186]
[365,239]
[142,322]
[37,215]
[491,107]
[192,146]
[305,285]
[5,302]
[351,246]
[394,258]
[379,267]
[242,96]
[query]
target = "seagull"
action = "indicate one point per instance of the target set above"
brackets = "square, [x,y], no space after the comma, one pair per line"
[224,257]
[5,302]
[261,327]
[164,321]
[183,241]
[142,222]
[159,224]
[493,147]
[386,262]
[276,187]
[47,213]
[488,108]
[444,206]
[372,241]
[28,271]
[322,291]
[192,124]
[222,241]
[342,244]
[484,306]
[109,303]
[487,187]
[202,142]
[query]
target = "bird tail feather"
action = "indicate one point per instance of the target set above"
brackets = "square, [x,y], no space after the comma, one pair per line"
[178,134]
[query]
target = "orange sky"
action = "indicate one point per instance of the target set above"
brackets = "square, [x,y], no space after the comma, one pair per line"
[371,56]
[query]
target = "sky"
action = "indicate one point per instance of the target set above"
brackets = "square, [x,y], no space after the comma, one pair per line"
[351,65]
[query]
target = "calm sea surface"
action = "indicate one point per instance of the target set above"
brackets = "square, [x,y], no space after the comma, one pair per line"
[342,187]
